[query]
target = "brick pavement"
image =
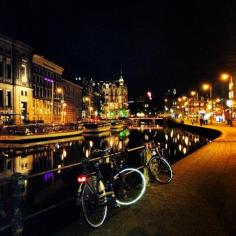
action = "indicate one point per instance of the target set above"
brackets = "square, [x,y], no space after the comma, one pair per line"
[201,199]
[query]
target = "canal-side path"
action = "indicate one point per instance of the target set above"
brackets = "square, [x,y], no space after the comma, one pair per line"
[201,199]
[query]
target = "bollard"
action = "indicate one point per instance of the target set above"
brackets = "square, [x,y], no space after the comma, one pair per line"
[17,222]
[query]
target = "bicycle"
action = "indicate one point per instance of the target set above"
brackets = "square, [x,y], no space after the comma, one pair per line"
[124,187]
[156,163]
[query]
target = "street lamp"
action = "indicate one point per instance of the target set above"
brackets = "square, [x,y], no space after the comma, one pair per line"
[63,112]
[229,78]
[61,91]
[209,87]
[229,103]
[194,94]
[184,99]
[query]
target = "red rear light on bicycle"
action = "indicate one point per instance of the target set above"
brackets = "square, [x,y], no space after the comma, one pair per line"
[81,179]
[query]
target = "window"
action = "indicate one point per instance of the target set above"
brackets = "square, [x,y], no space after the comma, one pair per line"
[8,98]
[22,93]
[1,98]
[8,68]
[26,93]
[23,73]
[1,66]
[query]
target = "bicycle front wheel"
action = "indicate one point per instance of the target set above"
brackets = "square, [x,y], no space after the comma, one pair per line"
[94,202]
[129,186]
[160,170]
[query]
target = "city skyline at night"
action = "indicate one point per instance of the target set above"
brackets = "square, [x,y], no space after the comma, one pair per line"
[160,47]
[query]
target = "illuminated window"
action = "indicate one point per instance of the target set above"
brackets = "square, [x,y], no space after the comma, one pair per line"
[8,68]
[24,73]
[8,98]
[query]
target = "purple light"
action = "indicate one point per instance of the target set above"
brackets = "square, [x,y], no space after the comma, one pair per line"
[49,80]
[48,176]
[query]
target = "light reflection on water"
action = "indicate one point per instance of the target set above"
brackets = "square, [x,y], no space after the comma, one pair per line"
[54,186]
[57,155]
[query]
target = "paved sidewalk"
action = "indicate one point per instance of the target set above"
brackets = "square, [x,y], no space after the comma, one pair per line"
[201,199]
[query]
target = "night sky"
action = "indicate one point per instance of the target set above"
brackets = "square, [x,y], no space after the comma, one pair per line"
[161,44]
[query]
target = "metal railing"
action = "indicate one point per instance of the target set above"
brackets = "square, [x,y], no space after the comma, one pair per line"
[15,186]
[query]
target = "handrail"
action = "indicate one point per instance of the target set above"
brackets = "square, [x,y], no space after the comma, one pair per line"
[10,181]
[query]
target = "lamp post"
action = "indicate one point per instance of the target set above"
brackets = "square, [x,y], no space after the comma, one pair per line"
[194,94]
[209,87]
[63,112]
[230,102]
[52,96]
[184,99]
[88,106]
[230,105]
[61,91]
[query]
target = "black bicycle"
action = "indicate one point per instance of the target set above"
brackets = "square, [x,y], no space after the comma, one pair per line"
[156,162]
[124,187]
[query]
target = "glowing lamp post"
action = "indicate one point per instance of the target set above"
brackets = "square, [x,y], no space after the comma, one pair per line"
[209,87]
[64,112]
[194,94]
[61,92]
[229,103]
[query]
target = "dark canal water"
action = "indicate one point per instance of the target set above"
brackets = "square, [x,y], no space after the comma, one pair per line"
[50,172]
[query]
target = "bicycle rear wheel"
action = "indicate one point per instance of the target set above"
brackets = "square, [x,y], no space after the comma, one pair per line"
[129,186]
[160,170]
[94,202]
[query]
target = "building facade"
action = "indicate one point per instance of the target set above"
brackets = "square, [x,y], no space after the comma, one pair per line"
[32,88]
[15,72]
[71,108]
[55,100]
[46,83]
[115,95]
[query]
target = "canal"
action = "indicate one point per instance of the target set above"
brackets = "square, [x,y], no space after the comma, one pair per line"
[48,187]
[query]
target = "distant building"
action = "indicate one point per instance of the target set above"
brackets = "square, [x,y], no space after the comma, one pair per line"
[115,96]
[105,99]
[54,99]
[72,106]
[15,90]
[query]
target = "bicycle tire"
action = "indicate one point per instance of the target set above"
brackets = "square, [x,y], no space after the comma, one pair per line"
[160,169]
[129,186]
[94,208]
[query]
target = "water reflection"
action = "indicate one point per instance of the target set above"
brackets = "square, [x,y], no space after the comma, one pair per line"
[56,161]
[33,159]
[176,142]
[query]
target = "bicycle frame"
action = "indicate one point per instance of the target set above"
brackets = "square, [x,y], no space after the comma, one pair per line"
[84,179]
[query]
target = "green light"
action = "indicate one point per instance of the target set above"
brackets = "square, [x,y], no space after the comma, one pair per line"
[124,133]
